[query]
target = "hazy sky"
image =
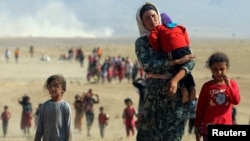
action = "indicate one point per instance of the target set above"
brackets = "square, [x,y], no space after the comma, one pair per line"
[108,18]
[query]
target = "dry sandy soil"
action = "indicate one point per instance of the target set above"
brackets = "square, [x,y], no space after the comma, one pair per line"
[28,77]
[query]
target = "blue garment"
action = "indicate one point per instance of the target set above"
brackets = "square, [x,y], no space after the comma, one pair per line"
[54,122]
[171,25]
[192,108]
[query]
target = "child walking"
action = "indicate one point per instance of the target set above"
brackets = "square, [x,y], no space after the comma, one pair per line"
[173,39]
[26,117]
[217,96]
[54,122]
[103,120]
[79,113]
[128,117]
[89,99]
[5,116]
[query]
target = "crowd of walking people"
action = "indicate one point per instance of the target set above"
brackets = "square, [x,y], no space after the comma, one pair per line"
[99,68]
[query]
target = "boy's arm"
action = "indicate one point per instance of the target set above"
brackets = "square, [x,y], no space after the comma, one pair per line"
[68,120]
[97,98]
[107,116]
[39,129]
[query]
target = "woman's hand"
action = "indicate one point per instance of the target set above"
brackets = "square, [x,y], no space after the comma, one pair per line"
[172,87]
[173,83]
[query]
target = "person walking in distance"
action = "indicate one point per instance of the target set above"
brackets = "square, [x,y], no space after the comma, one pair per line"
[32,51]
[26,117]
[17,53]
[5,116]
[89,101]
[79,113]
[103,120]
[128,117]
[7,54]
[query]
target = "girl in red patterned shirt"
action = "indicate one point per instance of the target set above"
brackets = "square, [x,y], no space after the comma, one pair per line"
[217,96]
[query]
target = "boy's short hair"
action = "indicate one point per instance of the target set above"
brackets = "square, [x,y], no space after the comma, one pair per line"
[58,77]
[128,100]
[101,108]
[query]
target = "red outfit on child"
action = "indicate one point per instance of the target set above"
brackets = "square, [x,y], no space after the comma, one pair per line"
[102,118]
[168,39]
[5,116]
[128,115]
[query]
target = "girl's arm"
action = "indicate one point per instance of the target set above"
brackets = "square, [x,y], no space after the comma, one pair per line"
[233,92]
[9,115]
[200,109]
[201,106]
[20,100]
[124,116]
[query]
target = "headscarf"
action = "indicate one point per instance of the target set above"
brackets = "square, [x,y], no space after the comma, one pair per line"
[142,29]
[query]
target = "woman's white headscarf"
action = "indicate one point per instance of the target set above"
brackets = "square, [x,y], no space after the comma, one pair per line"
[142,30]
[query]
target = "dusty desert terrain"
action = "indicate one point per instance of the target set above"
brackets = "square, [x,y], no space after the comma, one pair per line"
[29,74]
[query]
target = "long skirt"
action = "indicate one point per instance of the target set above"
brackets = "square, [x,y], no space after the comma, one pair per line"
[163,117]
[26,120]
[78,120]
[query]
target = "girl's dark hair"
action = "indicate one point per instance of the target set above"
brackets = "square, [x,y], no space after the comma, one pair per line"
[217,57]
[57,77]
[25,98]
